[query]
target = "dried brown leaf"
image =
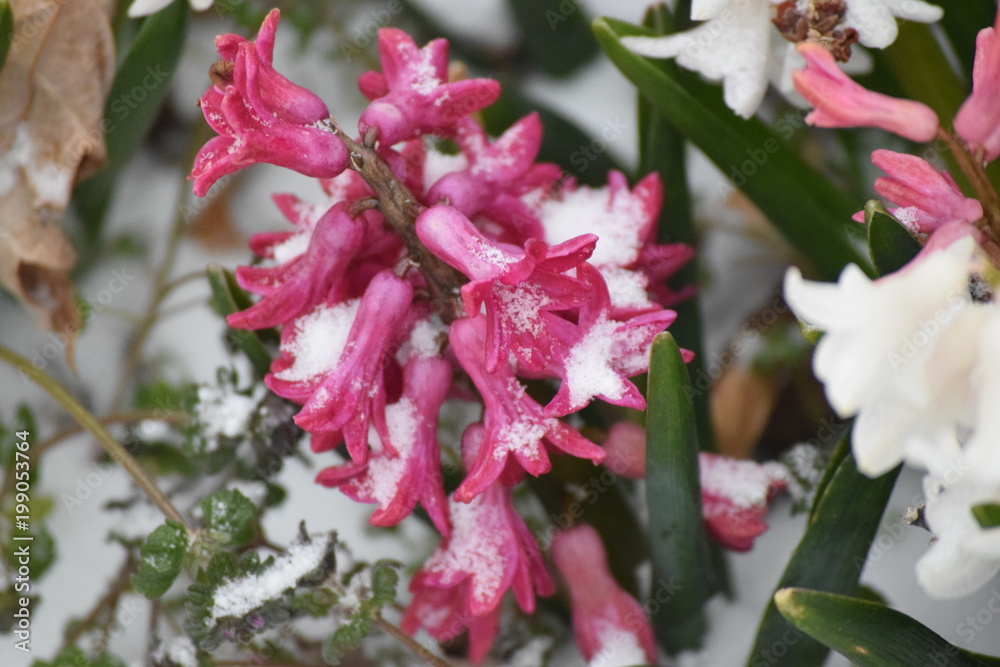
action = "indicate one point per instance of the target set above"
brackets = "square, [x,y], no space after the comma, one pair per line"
[52,92]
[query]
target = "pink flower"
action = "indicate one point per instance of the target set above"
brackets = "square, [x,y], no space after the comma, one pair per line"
[604,615]
[625,447]
[263,117]
[626,254]
[978,121]
[520,288]
[840,102]
[515,425]
[412,94]
[497,175]
[489,551]
[396,481]
[332,361]
[928,198]
[296,287]
[734,497]
[598,354]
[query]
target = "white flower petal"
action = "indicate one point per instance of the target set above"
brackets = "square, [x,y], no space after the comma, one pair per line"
[875,20]
[146,7]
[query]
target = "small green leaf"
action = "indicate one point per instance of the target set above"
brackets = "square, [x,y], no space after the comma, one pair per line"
[891,244]
[868,633]
[810,211]
[6,30]
[678,542]
[160,559]
[385,579]
[228,297]
[988,515]
[830,557]
[230,516]
[556,34]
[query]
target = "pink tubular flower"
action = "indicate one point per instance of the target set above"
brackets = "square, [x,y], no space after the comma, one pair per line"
[601,353]
[840,102]
[927,198]
[338,375]
[395,482]
[734,497]
[515,425]
[978,121]
[520,289]
[498,173]
[624,220]
[605,617]
[295,288]
[412,94]
[263,117]
[489,551]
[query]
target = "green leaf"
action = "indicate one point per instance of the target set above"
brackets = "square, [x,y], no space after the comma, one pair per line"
[556,34]
[803,204]
[962,21]
[830,557]
[870,634]
[677,537]
[661,150]
[230,516]
[385,579]
[6,30]
[891,244]
[160,559]
[228,297]
[139,88]
[988,515]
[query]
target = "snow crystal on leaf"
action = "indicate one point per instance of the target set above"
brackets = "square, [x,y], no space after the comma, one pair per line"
[242,595]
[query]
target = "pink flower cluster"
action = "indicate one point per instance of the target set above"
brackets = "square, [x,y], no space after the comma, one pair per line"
[926,200]
[557,285]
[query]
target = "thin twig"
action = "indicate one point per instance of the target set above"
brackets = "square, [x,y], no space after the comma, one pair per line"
[411,643]
[169,417]
[973,168]
[83,417]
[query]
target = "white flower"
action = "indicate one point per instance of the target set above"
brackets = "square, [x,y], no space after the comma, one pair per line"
[733,46]
[875,20]
[898,352]
[146,7]
[738,45]
[964,555]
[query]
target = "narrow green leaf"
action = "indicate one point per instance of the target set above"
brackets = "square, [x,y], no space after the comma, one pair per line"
[891,244]
[230,516]
[661,150]
[6,30]
[987,514]
[678,543]
[804,206]
[962,21]
[868,633]
[160,559]
[228,297]
[139,88]
[556,34]
[830,557]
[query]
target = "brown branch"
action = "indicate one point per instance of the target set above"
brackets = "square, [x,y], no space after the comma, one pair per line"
[400,209]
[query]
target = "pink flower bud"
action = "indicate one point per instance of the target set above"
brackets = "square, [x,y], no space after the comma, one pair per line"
[605,617]
[840,102]
[734,497]
[978,121]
